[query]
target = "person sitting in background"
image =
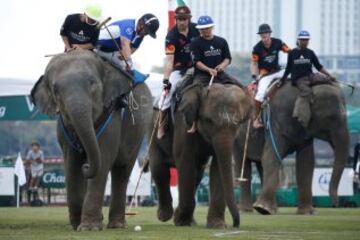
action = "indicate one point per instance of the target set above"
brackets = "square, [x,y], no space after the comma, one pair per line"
[127,35]
[36,159]
[265,66]
[299,65]
[80,30]
[356,167]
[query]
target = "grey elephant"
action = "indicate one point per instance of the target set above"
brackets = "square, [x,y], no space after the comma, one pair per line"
[328,122]
[221,111]
[95,136]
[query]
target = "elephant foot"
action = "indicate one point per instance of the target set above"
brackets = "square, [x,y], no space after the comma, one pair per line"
[183,221]
[75,224]
[94,226]
[117,224]
[306,211]
[263,209]
[165,213]
[216,224]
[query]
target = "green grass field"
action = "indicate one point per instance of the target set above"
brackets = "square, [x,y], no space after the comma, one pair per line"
[52,223]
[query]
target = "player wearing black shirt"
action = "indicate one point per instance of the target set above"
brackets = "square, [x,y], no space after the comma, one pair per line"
[80,30]
[300,63]
[210,56]
[265,65]
[178,60]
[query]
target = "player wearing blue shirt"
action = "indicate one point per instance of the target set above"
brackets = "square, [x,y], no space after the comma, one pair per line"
[129,36]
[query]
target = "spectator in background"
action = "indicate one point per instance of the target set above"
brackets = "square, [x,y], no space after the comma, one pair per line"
[356,167]
[35,157]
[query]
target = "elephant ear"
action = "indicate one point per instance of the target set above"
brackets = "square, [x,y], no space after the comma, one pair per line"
[116,84]
[42,98]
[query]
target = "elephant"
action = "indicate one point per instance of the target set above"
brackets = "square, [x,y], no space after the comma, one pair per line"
[328,122]
[82,90]
[221,110]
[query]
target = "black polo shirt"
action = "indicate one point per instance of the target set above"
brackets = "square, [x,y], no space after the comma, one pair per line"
[268,58]
[300,62]
[179,45]
[79,32]
[209,52]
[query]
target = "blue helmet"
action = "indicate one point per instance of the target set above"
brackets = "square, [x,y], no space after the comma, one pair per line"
[305,35]
[205,22]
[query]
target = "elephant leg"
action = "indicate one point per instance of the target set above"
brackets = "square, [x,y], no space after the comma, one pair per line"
[340,145]
[245,186]
[216,213]
[119,181]
[160,172]
[188,177]
[223,146]
[266,202]
[260,169]
[305,161]
[91,218]
[75,186]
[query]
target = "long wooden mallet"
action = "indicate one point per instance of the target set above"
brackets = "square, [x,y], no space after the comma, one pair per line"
[129,213]
[242,179]
[98,27]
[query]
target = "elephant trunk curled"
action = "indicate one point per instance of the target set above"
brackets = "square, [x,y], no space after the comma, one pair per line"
[81,120]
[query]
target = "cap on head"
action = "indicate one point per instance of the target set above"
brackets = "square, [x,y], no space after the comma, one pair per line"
[303,35]
[151,24]
[205,22]
[264,28]
[93,11]
[182,12]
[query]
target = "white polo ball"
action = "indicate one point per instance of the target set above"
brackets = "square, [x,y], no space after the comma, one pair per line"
[137,228]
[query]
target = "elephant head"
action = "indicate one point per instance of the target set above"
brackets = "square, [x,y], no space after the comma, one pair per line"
[221,110]
[79,85]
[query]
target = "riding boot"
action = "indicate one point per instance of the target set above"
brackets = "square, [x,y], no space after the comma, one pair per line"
[162,124]
[257,119]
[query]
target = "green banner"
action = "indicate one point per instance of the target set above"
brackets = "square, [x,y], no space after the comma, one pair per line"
[353,115]
[53,179]
[19,108]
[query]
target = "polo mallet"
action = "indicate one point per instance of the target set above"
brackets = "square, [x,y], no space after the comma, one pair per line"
[242,179]
[138,76]
[129,213]
[352,87]
[210,83]
[98,27]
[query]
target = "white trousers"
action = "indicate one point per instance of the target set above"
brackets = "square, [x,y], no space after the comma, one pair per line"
[112,57]
[264,84]
[174,79]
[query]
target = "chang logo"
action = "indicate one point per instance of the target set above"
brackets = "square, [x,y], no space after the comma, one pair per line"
[324,181]
[52,177]
[2,111]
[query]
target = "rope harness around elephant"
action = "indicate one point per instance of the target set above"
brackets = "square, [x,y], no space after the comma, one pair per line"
[100,126]
[266,115]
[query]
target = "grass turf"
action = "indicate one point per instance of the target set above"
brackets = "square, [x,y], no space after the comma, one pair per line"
[52,223]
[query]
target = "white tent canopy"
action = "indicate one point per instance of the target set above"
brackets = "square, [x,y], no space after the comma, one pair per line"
[15,87]
[21,87]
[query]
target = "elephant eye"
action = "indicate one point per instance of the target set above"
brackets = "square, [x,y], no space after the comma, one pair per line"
[56,89]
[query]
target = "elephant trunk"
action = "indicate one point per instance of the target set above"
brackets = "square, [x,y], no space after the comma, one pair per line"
[80,116]
[223,146]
